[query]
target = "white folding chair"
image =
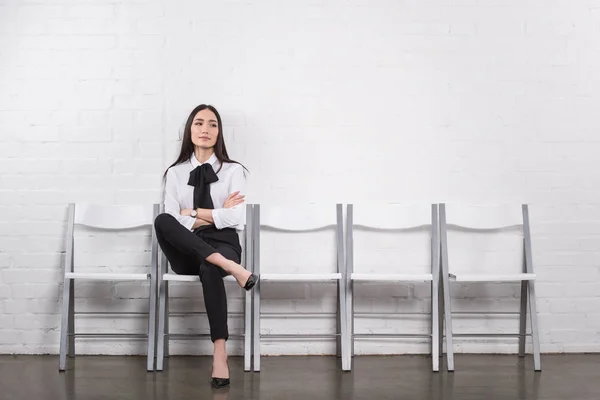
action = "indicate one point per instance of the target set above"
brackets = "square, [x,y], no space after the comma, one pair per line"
[396,218]
[164,335]
[109,218]
[490,219]
[300,219]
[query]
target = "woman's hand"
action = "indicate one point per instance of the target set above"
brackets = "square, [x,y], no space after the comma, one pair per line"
[233,200]
[186,212]
[200,222]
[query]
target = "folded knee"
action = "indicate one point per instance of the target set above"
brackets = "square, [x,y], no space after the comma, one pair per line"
[163,220]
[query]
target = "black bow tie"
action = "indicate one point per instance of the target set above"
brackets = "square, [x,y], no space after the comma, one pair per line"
[201,177]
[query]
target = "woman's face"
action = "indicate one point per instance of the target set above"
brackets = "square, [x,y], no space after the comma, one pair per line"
[205,129]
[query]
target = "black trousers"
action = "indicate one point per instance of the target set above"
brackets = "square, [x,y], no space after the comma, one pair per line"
[187,252]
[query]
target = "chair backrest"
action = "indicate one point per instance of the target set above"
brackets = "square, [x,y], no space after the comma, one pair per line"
[297,238]
[300,217]
[113,216]
[102,247]
[484,238]
[483,217]
[392,238]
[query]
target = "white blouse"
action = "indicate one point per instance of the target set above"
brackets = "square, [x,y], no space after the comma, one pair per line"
[180,195]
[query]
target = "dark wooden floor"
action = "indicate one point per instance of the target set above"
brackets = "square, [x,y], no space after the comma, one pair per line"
[575,377]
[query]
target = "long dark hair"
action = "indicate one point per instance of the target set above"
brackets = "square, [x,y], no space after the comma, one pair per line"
[187,146]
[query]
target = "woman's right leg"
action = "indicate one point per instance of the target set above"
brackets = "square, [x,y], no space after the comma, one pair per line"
[182,263]
[215,300]
[186,242]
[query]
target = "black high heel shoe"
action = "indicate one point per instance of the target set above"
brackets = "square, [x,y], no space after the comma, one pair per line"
[220,383]
[251,282]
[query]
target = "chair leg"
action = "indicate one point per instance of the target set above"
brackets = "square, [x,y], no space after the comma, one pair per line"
[256,324]
[248,331]
[162,317]
[351,315]
[167,322]
[435,350]
[535,336]
[346,360]
[338,322]
[523,319]
[448,321]
[64,328]
[71,331]
[441,318]
[151,324]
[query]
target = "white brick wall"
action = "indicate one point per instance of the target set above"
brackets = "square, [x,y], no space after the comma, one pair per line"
[417,101]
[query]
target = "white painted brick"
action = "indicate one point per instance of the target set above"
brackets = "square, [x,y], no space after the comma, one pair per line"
[5,292]
[90,10]
[577,274]
[9,148]
[35,291]
[581,348]
[142,12]
[19,166]
[132,290]
[149,149]
[51,322]
[584,305]
[143,165]
[28,275]
[4,260]
[276,290]
[43,244]
[138,196]
[50,228]
[563,321]
[582,289]
[141,41]
[38,134]
[593,320]
[148,86]
[150,26]
[106,149]
[135,102]
[87,166]
[37,260]
[570,258]
[31,306]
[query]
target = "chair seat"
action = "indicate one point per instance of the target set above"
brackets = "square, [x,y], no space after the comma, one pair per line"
[492,277]
[107,276]
[376,277]
[301,277]
[190,278]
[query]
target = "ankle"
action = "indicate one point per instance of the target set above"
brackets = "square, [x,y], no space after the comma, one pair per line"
[220,358]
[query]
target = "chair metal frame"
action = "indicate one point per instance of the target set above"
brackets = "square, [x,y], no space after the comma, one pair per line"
[526,278]
[95,216]
[339,277]
[415,221]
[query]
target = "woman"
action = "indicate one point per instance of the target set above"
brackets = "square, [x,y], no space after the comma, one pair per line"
[204,207]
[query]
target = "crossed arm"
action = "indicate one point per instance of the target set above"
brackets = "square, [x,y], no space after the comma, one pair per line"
[204,216]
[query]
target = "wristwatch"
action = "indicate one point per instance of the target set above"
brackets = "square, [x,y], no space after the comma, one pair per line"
[193,214]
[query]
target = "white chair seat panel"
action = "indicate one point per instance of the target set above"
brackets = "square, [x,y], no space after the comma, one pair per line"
[492,277]
[190,278]
[300,277]
[377,277]
[109,276]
